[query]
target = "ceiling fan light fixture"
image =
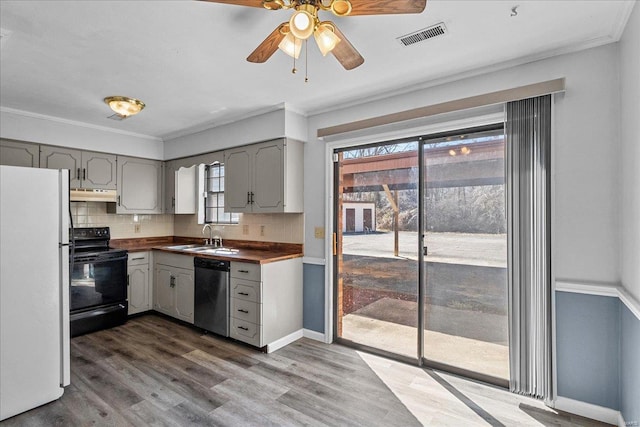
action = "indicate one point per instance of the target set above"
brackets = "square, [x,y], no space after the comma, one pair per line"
[326,39]
[340,7]
[291,45]
[124,106]
[302,24]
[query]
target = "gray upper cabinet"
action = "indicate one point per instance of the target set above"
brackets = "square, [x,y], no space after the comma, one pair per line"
[15,153]
[139,186]
[169,187]
[86,169]
[265,177]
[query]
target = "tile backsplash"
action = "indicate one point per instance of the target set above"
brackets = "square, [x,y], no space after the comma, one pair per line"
[94,214]
[282,228]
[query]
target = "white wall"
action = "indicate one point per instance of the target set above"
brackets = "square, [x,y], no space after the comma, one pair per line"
[630,153]
[53,131]
[586,148]
[258,128]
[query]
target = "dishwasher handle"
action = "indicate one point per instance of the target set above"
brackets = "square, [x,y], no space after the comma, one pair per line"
[211,264]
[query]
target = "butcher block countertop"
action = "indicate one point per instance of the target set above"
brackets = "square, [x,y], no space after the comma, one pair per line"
[248,251]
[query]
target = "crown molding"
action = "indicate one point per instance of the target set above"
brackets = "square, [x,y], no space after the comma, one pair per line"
[233,118]
[76,123]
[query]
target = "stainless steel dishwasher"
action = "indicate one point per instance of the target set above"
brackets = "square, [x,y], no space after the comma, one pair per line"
[212,295]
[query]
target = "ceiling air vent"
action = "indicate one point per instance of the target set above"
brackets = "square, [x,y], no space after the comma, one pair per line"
[422,35]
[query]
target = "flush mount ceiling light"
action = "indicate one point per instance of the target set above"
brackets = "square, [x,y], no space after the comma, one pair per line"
[305,22]
[124,106]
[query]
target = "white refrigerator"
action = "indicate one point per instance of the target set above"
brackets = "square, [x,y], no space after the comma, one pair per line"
[34,287]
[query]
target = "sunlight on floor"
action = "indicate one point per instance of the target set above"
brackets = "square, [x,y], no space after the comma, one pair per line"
[440,399]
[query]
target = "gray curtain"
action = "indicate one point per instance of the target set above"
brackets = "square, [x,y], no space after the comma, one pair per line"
[528,158]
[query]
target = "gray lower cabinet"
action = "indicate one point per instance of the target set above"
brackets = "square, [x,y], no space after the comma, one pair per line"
[16,153]
[173,285]
[266,302]
[138,283]
[87,169]
[139,186]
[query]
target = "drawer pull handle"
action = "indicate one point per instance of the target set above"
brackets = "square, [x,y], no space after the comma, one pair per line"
[243,294]
[243,328]
[243,271]
[136,259]
[243,311]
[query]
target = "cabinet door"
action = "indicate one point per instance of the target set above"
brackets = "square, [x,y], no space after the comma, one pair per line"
[139,186]
[237,181]
[165,300]
[63,158]
[138,289]
[169,187]
[98,170]
[185,291]
[185,190]
[268,177]
[13,153]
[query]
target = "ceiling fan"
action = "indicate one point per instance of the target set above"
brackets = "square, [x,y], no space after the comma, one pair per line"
[304,23]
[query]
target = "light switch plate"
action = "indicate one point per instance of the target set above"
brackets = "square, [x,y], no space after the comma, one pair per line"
[318,232]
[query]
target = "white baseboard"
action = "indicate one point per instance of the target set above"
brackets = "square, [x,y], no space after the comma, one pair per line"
[621,421]
[284,341]
[318,336]
[588,410]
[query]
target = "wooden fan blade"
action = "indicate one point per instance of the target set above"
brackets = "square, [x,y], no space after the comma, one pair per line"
[250,3]
[386,7]
[268,46]
[345,53]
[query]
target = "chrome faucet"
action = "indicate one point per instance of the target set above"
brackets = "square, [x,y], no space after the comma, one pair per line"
[208,241]
[212,240]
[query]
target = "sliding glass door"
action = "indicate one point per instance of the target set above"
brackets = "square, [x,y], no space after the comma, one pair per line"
[376,226]
[465,254]
[420,261]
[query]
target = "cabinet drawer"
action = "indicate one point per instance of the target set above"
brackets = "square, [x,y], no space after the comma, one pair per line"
[245,331]
[244,270]
[138,258]
[246,310]
[246,290]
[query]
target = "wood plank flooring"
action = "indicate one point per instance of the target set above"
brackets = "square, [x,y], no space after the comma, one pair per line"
[153,371]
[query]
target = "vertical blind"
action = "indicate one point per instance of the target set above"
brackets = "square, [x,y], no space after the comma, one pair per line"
[528,158]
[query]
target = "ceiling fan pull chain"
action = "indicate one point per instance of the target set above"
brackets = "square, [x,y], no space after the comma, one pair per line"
[293,70]
[306,61]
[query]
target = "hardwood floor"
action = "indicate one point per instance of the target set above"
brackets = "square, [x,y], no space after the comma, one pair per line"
[152,371]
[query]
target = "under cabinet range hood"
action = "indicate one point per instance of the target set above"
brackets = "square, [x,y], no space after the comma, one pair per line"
[92,195]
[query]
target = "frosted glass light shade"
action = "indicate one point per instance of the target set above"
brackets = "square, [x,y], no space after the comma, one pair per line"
[124,106]
[291,45]
[302,24]
[326,39]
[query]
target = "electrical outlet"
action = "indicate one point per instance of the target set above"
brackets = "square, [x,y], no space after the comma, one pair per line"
[318,232]
[262,230]
[245,229]
[136,228]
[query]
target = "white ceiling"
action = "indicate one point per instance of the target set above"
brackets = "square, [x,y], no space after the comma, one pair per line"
[186,59]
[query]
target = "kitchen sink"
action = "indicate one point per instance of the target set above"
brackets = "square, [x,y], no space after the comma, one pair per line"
[183,247]
[205,249]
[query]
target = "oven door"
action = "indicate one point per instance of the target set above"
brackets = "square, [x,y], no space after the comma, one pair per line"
[98,279]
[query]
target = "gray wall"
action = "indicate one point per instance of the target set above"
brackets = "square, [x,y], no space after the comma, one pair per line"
[313,297]
[588,348]
[629,366]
